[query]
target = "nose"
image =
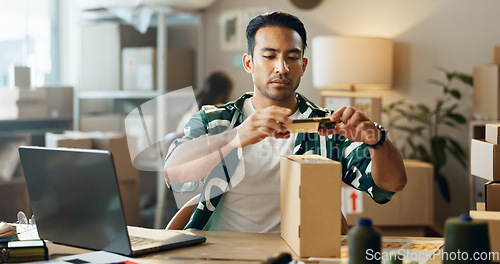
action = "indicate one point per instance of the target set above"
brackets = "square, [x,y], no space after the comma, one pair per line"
[281,66]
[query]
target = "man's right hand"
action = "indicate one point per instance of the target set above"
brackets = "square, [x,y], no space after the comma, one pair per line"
[267,122]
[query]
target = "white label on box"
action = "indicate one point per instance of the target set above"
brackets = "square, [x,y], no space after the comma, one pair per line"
[352,201]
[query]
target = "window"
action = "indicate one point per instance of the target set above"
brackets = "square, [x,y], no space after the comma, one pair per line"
[28,37]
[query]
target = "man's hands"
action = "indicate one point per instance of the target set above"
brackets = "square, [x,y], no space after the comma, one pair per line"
[267,122]
[355,126]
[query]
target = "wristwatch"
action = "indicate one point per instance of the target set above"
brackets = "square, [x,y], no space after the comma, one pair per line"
[383,137]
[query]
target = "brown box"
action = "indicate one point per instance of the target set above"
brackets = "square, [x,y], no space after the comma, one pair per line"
[67,141]
[403,210]
[32,104]
[59,101]
[116,143]
[310,205]
[496,55]
[492,133]
[492,195]
[102,122]
[493,219]
[485,160]
[487,92]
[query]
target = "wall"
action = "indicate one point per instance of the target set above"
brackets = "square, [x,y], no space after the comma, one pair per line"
[454,34]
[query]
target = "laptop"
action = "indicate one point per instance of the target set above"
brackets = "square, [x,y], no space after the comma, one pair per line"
[76,201]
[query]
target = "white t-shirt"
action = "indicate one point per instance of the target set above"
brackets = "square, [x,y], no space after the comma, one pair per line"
[253,203]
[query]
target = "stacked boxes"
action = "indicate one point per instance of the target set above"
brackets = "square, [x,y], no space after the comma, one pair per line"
[485,163]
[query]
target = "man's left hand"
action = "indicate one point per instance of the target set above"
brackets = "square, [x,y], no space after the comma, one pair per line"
[355,126]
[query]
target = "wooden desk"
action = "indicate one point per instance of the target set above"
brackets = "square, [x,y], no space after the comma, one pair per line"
[220,247]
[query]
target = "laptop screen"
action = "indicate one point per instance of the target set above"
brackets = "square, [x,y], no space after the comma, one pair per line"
[75,197]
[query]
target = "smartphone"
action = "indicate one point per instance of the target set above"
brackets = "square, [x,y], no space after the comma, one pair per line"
[310,125]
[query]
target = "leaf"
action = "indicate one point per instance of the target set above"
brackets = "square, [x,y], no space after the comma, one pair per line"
[455,147]
[437,147]
[452,108]
[449,123]
[457,118]
[424,155]
[465,78]
[438,83]
[456,94]
[443,186]
[423,108]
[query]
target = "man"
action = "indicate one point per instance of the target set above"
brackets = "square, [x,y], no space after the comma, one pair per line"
[239,144]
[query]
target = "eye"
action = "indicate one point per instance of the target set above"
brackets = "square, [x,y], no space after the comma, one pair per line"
[294,58]
[269,57]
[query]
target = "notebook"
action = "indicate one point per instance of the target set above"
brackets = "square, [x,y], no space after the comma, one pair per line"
[76,201]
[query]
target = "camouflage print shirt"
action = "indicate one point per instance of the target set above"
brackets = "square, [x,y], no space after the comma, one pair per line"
[210,120]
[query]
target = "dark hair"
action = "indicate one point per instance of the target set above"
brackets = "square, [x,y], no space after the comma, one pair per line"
[276,18]
[215,90]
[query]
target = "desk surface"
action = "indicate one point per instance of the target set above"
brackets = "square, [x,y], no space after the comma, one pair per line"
[220,247]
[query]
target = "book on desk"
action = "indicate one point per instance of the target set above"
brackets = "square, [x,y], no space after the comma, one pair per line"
[23,251]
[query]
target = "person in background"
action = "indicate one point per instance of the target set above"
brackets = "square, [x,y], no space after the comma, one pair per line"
[215,91]
[233,151]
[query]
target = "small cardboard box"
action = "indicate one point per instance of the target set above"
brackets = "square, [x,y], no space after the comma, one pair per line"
[67,141]
[487,91]
[492,133]
[310,205]
[492,194]
[116,143]
[485,160]
[493,219]
[403,210]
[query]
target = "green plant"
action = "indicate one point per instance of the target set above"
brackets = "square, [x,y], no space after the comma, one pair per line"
[423,127]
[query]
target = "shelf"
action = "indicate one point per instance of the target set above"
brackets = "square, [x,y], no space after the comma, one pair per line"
[42,125]
[118,94]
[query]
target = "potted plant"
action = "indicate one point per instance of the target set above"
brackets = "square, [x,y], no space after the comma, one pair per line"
[423,127]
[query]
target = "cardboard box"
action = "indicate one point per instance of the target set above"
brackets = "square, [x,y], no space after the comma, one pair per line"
[19,77]
[492,194]
[139,68]
[67,141]
[493,219]
[496,55]
[487,92]
[310,205]
[101,53]
[32,104]
[485,160]
[492,133]
[116,143]
[59,101]
[403,211]
[102,122]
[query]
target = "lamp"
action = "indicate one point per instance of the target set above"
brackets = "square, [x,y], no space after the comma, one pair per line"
[351,62]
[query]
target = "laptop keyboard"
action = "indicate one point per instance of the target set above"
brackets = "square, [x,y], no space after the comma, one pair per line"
[140,241]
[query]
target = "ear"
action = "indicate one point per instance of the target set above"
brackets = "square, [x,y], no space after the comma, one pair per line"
[304,65]
[248,62]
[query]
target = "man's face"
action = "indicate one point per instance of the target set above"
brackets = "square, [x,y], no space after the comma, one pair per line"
[277,63]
